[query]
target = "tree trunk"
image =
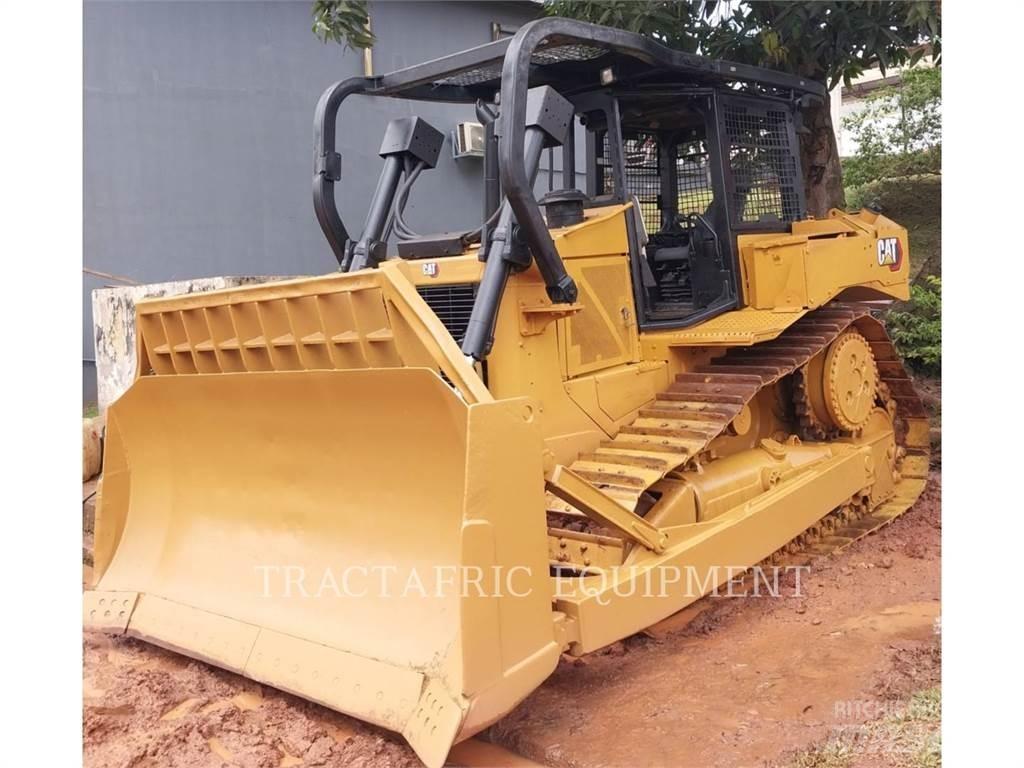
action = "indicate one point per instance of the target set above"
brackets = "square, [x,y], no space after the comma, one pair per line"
[819,156]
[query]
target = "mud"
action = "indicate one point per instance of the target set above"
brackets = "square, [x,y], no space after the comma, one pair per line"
[730,682]
[145,707]
[747,680]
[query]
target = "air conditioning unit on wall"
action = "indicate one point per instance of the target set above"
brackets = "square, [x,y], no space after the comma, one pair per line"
[467,140]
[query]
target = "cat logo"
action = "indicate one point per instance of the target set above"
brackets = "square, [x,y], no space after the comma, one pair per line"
[890,253]
[430,269]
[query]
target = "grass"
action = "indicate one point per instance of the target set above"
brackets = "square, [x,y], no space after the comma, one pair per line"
[915,730]
[909,737]
[834,753]
[90,411]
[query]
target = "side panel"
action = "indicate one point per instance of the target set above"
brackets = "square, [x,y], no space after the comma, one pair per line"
[864,254]
[604,333]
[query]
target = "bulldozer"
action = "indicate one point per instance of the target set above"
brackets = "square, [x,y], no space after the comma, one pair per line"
[659,367]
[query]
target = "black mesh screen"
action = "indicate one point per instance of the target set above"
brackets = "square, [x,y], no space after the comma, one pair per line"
[693,177]
[643,176]
[643,179]
[605,169]
[763,163]
[552,54]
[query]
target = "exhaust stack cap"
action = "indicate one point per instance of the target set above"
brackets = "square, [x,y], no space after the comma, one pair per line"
[563,207]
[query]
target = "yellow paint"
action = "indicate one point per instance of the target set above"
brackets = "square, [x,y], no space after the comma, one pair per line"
[333,421]
[823,260]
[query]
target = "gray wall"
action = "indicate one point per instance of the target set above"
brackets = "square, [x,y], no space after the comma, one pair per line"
[198,134]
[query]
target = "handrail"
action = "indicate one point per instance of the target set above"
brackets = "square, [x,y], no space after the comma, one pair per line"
[327,161]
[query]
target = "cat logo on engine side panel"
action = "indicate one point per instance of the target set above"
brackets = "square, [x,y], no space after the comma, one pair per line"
[890,253]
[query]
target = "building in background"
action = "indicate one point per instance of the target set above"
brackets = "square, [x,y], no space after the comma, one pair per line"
[198,121]
[845,102]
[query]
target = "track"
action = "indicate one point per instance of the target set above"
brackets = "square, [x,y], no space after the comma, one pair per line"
[682,421]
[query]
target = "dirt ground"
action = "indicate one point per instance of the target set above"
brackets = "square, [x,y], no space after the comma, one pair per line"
[747,682]
[751,681]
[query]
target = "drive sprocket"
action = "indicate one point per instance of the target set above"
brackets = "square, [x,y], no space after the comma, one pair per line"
[850,381]
[837,389]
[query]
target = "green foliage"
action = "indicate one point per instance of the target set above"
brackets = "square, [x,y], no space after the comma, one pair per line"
[829,41]
[822,40]
[675,24]
[910,200]
[343,21]
[862,169]
[899,130]
[917,327]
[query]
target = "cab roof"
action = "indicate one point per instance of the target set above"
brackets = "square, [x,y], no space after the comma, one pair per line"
[572,59]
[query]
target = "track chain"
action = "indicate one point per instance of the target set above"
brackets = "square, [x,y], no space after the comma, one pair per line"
[677,428]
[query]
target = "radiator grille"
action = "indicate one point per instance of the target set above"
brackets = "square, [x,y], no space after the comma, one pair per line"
[452,304]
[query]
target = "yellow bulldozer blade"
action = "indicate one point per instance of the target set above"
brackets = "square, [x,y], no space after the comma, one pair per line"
[362,538]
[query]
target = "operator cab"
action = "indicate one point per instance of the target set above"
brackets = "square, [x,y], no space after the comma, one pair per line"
[700,166]
[705,149]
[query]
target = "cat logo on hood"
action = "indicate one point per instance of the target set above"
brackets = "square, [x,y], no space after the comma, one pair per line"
[890,253]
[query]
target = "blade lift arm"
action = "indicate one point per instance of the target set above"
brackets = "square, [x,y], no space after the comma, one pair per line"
[548,120]
[410,143]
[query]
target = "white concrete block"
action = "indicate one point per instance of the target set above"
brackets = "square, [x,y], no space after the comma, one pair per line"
[113,317]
